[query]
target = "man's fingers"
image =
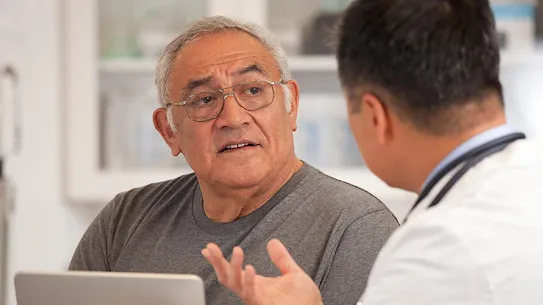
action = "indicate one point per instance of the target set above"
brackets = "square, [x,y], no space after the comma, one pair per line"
[214,256]
[249,295]
[232,275]
[281,258]
[236,272]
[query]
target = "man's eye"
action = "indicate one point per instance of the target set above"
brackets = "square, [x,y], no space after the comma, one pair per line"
[253,91]
[203,101]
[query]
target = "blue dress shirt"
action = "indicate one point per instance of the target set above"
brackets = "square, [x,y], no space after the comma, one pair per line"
[477,140]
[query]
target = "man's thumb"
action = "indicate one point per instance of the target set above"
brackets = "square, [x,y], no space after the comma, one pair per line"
[281,258]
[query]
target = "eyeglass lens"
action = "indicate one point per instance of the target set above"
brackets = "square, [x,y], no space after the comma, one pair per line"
[251,96]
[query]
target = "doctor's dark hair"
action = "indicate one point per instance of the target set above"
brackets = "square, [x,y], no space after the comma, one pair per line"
[432,58]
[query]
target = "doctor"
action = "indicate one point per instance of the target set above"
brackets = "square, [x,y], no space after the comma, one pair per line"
[426,107]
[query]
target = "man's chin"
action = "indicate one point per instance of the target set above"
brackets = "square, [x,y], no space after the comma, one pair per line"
[244,175]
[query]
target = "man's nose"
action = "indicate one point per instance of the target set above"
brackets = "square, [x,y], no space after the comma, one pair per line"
[232,115]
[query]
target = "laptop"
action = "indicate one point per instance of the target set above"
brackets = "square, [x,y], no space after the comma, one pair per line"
[107,288]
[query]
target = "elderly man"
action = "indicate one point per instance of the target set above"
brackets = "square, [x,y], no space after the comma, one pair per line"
[229,106]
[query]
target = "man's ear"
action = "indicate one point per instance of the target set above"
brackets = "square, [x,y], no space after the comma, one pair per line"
[294,94]
[160,121]
[377,115]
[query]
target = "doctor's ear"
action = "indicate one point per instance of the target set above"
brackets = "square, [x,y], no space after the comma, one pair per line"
[377,116]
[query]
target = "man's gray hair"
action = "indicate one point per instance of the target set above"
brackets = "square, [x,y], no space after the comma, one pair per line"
[209,25]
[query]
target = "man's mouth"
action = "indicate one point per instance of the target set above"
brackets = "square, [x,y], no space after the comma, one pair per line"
[232,147]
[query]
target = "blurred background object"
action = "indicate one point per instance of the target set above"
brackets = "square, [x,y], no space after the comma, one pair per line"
[318,34]
[539,20]
[516,24]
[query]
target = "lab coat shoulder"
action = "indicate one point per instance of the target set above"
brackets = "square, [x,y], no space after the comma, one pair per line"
[427,262]
[454,253]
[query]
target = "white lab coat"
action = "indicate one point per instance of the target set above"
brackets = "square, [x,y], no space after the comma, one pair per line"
[483,244]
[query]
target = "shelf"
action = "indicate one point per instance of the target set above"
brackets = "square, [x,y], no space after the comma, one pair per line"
[128,65]
[320,63]
[521,58]
[326,63]
[313,63]
[111,183]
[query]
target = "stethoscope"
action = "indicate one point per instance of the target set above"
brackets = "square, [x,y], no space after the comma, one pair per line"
[470,158]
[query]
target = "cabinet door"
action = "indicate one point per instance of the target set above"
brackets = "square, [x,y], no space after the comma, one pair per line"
[110,54]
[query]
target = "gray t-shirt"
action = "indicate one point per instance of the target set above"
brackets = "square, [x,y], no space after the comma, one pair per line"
[332,229]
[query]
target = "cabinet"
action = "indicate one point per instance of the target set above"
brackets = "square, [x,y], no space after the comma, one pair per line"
[110,55]
[111,52]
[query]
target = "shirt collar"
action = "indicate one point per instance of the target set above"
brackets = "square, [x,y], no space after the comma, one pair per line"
[473,142]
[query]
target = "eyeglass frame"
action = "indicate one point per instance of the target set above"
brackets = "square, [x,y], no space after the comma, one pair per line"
[224,96]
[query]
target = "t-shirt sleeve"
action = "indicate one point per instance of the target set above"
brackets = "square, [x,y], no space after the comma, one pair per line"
[427,264]
[91,253]
[355,255]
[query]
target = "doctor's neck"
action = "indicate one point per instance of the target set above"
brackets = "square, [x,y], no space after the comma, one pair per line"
[428,150]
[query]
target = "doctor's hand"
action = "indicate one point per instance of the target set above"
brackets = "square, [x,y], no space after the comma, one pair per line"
[292,287]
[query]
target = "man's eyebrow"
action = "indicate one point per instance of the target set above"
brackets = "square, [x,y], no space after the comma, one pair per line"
[197,82]
[252,68]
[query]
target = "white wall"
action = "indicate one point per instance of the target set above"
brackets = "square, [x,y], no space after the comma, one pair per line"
[43,229]
[523,90]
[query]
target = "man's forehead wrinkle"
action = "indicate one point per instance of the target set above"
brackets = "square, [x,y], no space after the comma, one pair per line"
[254,66]
[224,62]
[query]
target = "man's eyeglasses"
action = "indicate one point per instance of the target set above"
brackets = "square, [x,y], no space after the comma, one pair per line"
[206,106]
